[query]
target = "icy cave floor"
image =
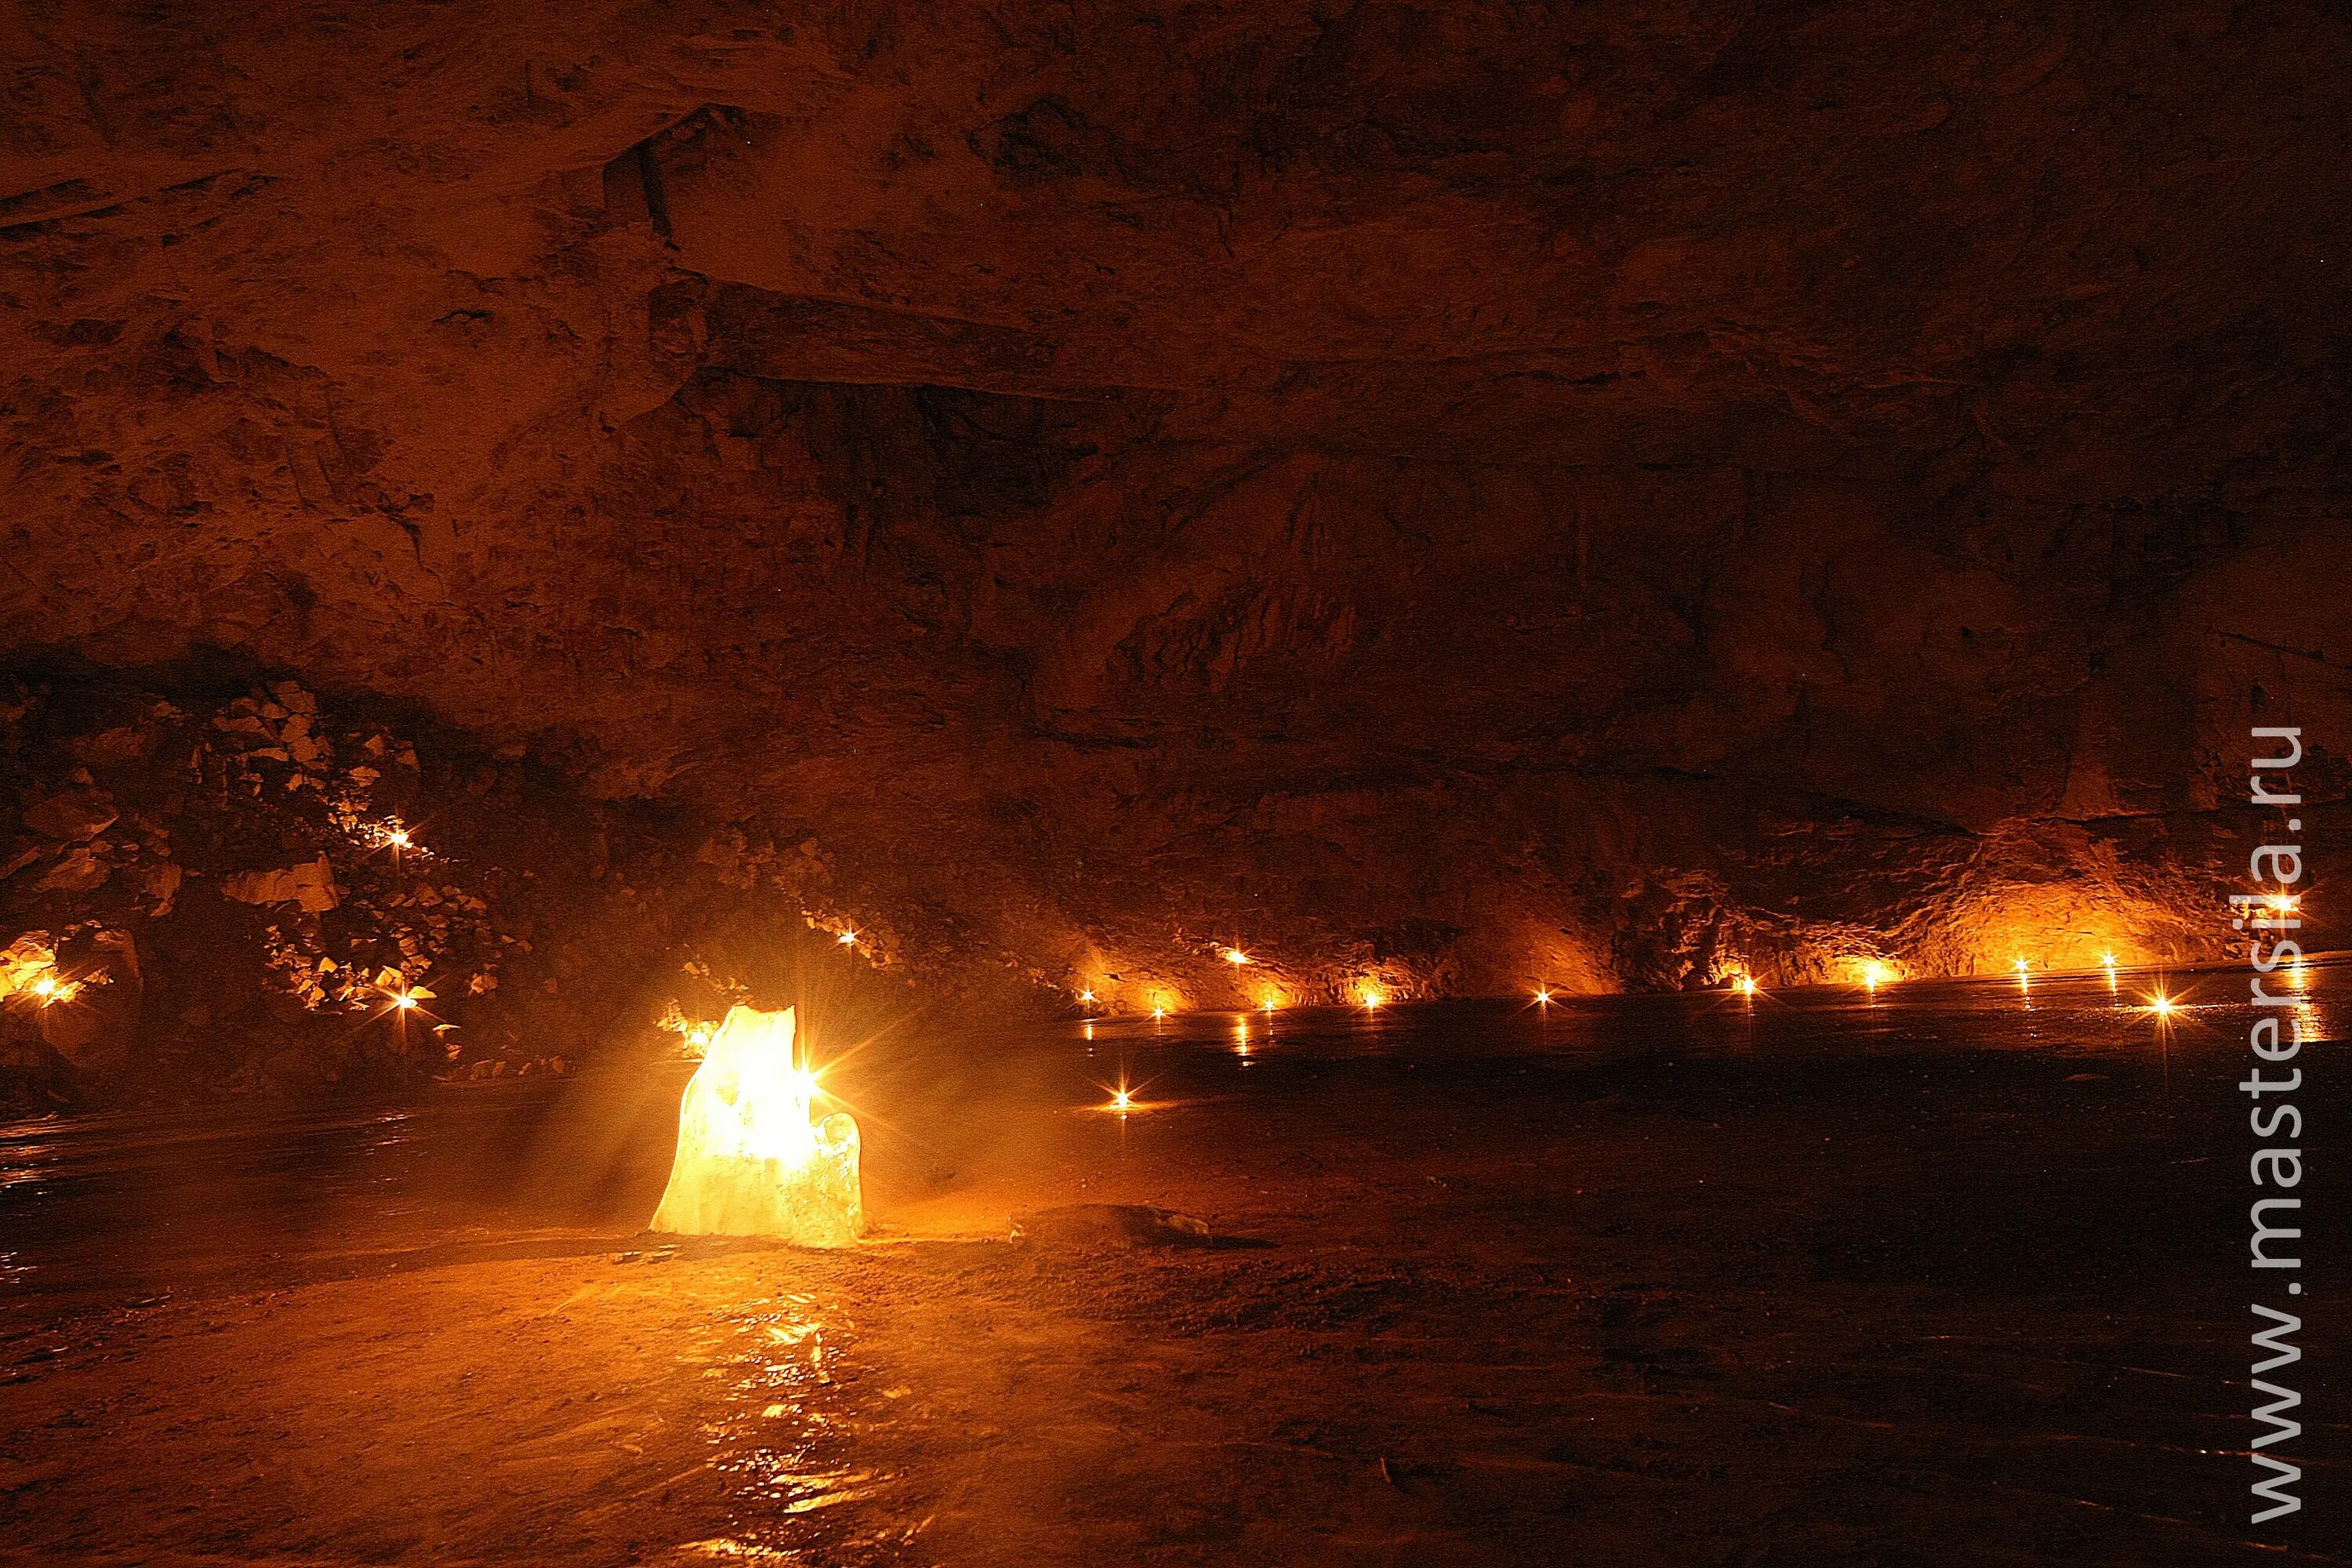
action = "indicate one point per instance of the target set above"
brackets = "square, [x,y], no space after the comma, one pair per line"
[1955,1277]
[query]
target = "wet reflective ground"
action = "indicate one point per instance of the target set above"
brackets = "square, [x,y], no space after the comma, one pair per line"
[1952,1275]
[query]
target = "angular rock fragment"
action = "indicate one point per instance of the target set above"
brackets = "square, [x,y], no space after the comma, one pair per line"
[73,816]
[159,881]
[78,870]
[310,885]
[1118,1228]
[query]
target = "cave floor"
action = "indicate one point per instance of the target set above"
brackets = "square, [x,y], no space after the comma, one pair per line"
[1945,1279]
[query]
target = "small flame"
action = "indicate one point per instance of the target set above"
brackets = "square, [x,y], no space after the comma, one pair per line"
[1543,996]
[390,833]
[1372,996]
[693,1033]
[1748,985]
[847,939]
[30,966]
[1235,956]
[394,988]
[2160,1004]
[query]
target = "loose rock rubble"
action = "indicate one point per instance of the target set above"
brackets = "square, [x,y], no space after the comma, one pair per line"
[264,893]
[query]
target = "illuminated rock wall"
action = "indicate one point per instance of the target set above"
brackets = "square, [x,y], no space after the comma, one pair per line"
[1437,495]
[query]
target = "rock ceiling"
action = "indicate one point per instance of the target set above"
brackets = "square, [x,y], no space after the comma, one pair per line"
[1486,490]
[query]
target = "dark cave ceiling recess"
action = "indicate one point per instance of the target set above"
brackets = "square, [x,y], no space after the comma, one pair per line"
[1467,494]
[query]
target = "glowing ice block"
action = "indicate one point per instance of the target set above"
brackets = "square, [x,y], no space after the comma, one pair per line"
[750,1159]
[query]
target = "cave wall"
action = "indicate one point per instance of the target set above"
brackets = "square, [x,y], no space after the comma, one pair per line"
[1462,495]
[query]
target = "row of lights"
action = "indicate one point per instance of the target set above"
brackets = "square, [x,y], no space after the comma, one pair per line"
[1872,973]
[1369,995]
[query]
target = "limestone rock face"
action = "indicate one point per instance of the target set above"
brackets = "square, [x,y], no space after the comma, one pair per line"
[1452,494]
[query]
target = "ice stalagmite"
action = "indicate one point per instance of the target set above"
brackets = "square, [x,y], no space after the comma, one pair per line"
[751,1161]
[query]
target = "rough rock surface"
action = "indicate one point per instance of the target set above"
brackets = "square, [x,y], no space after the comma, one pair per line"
[1442,498]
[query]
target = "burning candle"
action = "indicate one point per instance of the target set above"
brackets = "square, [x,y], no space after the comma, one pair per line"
[400,998]
[390,835]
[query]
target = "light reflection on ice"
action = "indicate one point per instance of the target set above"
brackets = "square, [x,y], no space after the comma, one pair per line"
[777,1443]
